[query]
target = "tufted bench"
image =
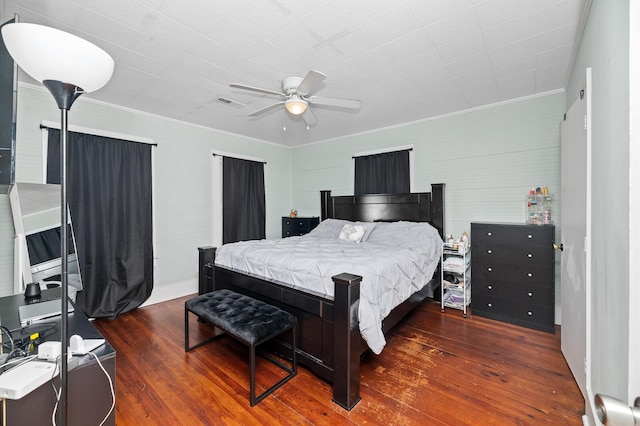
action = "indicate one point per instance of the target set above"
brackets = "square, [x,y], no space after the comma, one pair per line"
[250,321]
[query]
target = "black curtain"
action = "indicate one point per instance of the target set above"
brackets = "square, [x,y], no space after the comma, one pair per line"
[109,196]
[243,204]
[386,173]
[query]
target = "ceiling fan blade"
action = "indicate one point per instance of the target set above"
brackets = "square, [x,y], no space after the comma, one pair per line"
[335,102]
[265,109]
[309,117]
[256,89]
[311,82]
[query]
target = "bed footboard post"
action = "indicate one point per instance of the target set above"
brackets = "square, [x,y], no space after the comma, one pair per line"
[206,256]
[346,341]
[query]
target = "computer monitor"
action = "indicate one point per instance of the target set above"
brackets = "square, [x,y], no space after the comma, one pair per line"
[44,255]
[36,216]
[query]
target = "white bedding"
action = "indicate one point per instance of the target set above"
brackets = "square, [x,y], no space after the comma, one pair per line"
[396,260]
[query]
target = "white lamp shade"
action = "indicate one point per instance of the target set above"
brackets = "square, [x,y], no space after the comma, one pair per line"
[295,105]
[46,53]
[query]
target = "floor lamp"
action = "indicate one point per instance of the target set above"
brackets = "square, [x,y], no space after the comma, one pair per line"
[67,66]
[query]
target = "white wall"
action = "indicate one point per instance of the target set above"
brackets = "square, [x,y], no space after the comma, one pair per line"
[488,158]
[183,173]
[605,48]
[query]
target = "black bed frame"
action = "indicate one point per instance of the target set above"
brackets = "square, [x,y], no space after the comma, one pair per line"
[329,338]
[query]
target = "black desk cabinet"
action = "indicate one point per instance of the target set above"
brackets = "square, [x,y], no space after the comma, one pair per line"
[88,392]
[298,225]
[514,273]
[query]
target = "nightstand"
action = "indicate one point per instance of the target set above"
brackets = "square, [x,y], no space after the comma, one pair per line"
[292,226]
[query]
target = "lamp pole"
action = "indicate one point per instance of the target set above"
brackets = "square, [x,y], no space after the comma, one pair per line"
[64,95]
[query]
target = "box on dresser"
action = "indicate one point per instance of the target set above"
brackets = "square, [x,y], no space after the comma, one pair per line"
[292,226]
[514,273]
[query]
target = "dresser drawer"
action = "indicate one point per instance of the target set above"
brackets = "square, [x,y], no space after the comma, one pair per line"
[539,317]
[514,290]
[541,275]
[512,235]
[526,254]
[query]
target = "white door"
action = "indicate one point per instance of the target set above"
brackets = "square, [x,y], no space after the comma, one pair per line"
[575,176]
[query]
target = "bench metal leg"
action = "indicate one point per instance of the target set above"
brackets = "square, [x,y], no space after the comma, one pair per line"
[188,348]
[291,370]
[252,375]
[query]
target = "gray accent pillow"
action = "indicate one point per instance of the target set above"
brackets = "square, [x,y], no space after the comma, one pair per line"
[419,237]
[369,227]
[329,228]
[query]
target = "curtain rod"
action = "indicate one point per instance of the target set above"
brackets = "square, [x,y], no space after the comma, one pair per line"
[239,158]
[44,126]
[382,152]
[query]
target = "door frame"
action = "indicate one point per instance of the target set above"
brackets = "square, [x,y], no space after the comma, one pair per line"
[575,349]
[634,201]
[588,238]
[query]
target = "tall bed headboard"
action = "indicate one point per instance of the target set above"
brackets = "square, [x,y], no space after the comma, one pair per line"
[414,207]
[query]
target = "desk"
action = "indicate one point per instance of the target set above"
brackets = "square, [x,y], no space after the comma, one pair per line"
[88,392]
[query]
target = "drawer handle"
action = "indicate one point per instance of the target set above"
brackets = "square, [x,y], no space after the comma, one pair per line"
[529,274]
[288,222]
[489,233]
[300,223]
[489,251]
[490,287]
[529,294]
[530,313]
[489,269]
[529,236]
[489,305]
[529,255]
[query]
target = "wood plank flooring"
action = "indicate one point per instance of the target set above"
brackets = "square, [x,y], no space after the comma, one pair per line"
[437,369]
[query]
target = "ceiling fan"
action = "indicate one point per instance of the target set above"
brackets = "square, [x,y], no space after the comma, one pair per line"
[297,96]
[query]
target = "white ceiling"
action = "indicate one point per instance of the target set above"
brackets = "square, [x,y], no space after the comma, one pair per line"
[405,60]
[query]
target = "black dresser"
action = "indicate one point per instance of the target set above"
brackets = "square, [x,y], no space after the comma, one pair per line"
[292,226]
[514,273]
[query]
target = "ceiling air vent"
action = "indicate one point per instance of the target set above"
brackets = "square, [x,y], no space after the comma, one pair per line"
[230,102]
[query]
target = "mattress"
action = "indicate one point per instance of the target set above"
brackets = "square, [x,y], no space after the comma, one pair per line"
[396,260]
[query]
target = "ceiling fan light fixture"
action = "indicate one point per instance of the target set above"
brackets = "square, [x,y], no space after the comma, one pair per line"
[295,105]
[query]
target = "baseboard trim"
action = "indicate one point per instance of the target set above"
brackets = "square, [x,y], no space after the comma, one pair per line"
[171,291]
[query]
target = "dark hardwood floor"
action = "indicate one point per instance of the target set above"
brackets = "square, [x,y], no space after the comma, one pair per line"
[437,369]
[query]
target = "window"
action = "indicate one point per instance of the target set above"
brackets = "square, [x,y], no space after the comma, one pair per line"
[383,173]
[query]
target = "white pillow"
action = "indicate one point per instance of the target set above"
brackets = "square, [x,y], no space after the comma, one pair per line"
[352,233]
